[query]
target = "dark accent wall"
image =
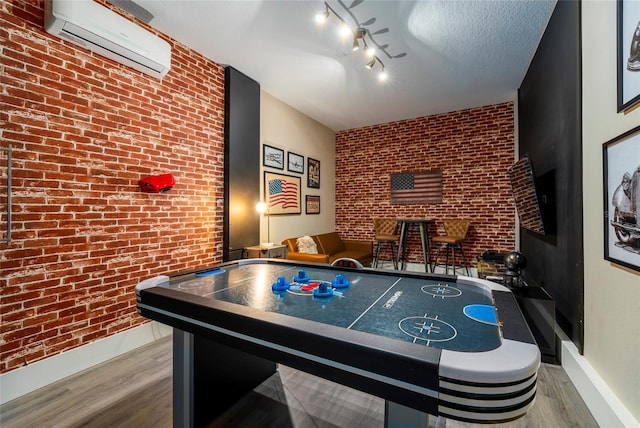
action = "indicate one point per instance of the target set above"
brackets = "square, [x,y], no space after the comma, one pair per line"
[241,163]
[550,131]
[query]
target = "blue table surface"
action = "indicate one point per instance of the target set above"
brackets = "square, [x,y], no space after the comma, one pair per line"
[435,312]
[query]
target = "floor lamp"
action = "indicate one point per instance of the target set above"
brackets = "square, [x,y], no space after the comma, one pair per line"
[263,209]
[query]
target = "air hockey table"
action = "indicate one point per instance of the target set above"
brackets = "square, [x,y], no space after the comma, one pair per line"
[448,346]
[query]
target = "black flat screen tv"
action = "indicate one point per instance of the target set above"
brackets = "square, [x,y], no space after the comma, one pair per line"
[525,195]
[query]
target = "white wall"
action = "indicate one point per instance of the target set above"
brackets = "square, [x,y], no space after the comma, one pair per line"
[286,128]
[611,293]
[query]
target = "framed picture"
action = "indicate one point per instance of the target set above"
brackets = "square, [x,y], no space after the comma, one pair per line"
[416,187]
[622,199]
[312,204]
[295,163]
[272,157]
[313,173]
[628,54]
[282,193]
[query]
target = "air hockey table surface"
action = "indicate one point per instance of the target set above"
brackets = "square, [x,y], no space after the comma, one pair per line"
[456,347]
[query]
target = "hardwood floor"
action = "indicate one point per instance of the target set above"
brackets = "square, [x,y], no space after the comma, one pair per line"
[134,390]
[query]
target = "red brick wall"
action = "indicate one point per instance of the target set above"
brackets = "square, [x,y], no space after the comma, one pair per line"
[84,130]
[473,148]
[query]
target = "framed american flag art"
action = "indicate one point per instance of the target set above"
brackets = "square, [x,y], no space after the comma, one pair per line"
[282,193]
[416,187]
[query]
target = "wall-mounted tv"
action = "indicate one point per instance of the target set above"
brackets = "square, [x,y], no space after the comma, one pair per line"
[525,195]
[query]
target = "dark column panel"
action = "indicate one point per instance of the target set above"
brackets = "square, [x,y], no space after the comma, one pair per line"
[550,131]
[241,163]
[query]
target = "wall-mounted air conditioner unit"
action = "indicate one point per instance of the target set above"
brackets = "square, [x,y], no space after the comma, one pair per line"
[103,31]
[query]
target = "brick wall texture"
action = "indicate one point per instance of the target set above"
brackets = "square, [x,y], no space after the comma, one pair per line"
[473,148]
[83,130]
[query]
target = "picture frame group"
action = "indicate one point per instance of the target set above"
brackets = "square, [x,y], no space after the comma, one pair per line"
[274,157]
[283,192]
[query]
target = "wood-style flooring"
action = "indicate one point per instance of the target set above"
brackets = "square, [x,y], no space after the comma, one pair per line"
[135,390]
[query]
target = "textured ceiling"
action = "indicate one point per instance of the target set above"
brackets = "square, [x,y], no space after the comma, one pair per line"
[439,56]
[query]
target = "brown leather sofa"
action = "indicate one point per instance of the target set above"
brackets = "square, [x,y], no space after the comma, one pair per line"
[332,247]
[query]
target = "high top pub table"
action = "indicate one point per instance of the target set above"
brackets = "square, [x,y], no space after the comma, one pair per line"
[423,224]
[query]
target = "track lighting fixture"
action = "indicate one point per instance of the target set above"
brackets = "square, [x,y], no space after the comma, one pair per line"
[356,46]
[359,38]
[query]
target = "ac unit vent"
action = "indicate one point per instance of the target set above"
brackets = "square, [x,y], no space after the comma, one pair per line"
[103,31]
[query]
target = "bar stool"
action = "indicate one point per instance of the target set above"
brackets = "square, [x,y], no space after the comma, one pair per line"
[455,233]
[386,231]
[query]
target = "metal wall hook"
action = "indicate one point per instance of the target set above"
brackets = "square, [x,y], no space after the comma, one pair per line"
[7,149]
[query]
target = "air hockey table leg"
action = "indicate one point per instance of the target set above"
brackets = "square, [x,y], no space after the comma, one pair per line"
[399,416]
[202,369]
[182,379]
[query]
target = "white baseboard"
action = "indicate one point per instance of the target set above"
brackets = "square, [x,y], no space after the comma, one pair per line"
[28,378]
[605,407]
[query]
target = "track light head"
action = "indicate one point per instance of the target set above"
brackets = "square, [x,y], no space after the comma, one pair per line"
[357,35]
[383,75]
[344,30]
[322,17]
[370,52]
[371,63]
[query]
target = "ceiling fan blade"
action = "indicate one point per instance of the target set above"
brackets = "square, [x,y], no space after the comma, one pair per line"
[403,54]
[369,22]
[355,3]
[382,31]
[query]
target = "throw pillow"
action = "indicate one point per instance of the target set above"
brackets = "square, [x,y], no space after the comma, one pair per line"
[307,245]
